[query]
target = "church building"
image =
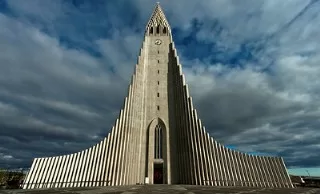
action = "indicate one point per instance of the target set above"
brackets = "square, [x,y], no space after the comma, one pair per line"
[158,137]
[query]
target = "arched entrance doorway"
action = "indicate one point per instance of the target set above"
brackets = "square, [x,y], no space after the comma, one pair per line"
[157,154]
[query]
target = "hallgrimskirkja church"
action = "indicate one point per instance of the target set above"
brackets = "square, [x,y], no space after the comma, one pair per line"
[158,137]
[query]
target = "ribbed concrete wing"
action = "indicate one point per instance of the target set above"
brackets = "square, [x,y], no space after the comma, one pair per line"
[158,137]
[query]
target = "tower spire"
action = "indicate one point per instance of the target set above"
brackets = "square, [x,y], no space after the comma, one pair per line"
[158,18]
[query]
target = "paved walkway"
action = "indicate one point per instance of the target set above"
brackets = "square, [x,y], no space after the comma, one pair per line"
[183,189]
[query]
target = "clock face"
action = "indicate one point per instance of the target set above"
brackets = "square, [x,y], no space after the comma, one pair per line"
[158,42]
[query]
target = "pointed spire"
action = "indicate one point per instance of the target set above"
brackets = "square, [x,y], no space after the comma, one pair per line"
[158,18]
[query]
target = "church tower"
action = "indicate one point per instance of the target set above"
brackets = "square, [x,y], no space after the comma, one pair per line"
[158,137]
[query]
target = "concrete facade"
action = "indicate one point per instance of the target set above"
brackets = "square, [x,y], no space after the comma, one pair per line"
[158,137]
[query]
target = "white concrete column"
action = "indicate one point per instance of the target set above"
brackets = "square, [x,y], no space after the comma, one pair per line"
[288,180]
[262,172]
[56,170]
[225,171]
[89,166]
[208,153]
[60,172]
[219,168]
[136,118]
[97,169]
[102,164]
[233,167]
[205,154]
[71,169]
[236,162]
[230,179]
[276,172]
[77,167]
[78,178]
[127,156]
[109,158]
[284,175]
[280,172]
[65,171]
[84,170]
[213,155]
[190,159]
[41,172]
[38,173]
[92,165]
[96,179]
[258,175]
[270,167]
[242,171]
[256,171]
[119,159]
[267,171]
[191,138]
[133,144]
[113,155]
[52,172]
[123,148]
[226,161]
[251,170]
[198,146]
[178,121]
[105,165]
[45,180]
[245,169]
[183,173]
[194,143]
[29,178]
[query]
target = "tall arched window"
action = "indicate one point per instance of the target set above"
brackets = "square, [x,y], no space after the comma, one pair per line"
[158,29]
[158,142]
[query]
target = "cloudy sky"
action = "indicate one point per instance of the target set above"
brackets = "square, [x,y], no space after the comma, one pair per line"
[252,67]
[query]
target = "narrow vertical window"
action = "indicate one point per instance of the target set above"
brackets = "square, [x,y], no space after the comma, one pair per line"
[158,71]
[158,51]
[158,95]
[158,29]
[158,82]
[164,30]
[151,31]
[158,61]
[158,107]
[158,142]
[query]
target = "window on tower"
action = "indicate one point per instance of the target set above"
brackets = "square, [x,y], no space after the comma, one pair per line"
[158,29]
[151,30]
[158,142]
[164,30]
